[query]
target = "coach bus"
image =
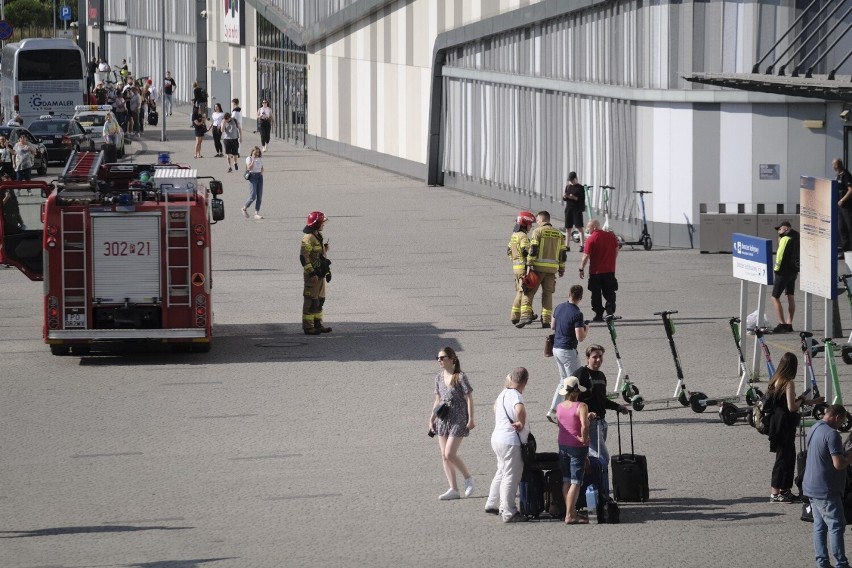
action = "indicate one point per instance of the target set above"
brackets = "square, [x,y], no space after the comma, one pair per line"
[41,76]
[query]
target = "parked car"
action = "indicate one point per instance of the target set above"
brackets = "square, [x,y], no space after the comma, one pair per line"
[92,118]
[13,133]
[61,136]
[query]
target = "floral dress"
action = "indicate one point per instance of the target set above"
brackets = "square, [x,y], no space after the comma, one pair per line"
[455,424]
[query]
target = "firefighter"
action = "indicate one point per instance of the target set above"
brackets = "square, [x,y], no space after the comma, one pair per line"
[317,270]
[547,256]
[517,249]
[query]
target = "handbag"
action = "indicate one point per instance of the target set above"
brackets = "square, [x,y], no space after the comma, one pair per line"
[548,345]
[442,410]
[528,449]
[247,175]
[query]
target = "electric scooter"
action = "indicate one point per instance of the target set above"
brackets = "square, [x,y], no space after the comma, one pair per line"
[681,395]
[645,238]
[759,332]
[846,350]
[808,351]
[728,411]
[628,390]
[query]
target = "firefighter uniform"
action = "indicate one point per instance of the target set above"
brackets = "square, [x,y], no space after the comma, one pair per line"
[316,273]
[518,249]
[546,257]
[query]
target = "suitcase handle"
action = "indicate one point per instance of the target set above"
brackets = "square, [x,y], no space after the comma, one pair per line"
[618,417]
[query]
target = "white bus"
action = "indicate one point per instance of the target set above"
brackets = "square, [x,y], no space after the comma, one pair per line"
[41,76]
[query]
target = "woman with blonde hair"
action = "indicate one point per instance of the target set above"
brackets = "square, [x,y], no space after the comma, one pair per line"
[453,388]
[573,419]
[784,420]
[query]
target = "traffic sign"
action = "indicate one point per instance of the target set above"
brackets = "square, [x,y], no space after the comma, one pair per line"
[65,13]
[6,30]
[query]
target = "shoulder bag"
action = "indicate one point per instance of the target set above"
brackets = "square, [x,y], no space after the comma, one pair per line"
[548,345]
[528,449]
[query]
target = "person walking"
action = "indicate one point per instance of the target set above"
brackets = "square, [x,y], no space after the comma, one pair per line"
[784,406]
[546,258]
[111,129]
[574,196]
[510,430]
[7,153]
[24,159]
[317,272]
[573,420]
[786,272]
[452,387]
[169,85]
[568,330]
[216,127]
[518,249]
[599,253]
[91,69]
[824,483]
[199,124]
[103,70]
[254,169]
[231,135]
[591,377]
[265,120]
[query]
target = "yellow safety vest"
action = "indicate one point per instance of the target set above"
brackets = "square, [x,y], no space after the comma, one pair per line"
[517,249]
[547,250]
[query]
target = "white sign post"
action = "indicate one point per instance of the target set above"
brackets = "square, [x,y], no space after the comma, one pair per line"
[752,260]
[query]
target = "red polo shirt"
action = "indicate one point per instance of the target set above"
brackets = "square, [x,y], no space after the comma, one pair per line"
[602,248]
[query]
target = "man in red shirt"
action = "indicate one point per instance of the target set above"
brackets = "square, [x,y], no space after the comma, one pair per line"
[599,253]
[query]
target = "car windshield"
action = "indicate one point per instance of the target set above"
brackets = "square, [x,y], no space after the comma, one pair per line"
[49,127]
[91,119]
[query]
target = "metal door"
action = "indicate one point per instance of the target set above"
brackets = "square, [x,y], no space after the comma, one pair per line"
[220,88]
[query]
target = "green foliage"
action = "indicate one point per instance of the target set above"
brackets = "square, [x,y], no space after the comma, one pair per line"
[21,13]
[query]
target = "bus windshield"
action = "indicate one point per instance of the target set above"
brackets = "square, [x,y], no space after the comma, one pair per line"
[49,65]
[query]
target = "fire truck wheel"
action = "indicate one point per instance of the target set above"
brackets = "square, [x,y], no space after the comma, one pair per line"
[201,347]
[60,350]
[81,350]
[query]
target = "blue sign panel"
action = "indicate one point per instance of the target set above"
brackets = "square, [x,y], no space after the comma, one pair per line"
[6,30]
[752,259]
[65,13]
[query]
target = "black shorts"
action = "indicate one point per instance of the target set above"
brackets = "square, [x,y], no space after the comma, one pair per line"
[232,146]
[573,218]
[785,283]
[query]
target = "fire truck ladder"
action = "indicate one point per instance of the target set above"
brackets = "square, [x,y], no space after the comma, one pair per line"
[81,170]
[74,278]
[178,254]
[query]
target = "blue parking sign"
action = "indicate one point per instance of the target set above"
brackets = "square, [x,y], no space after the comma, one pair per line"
[65,13]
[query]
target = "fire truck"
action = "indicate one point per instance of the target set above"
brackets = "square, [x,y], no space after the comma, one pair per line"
[124,252]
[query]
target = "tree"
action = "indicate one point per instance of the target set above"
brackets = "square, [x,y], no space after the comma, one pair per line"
[29,13]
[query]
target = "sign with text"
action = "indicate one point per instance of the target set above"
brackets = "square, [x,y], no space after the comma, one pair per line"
[818,236]
[770,172]
[233,22]
[752,258]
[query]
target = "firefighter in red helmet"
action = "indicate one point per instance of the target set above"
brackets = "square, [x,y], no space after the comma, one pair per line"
[518,249]
[317,271]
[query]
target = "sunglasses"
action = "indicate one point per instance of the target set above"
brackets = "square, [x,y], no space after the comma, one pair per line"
[442,357]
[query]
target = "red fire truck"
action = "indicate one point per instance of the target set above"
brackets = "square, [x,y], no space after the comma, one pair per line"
[123,250]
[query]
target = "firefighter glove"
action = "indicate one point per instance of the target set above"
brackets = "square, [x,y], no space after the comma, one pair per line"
[328,277]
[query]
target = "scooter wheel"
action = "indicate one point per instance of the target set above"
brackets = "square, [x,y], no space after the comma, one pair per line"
[750,419]
[728,414]
[682,398]
[753,395]
[647,243]
[638,403]
[695,402]
[819,411]
[628,392]
[847,424]
[846,353]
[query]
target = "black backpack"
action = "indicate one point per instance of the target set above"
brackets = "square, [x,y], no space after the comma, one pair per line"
[762,412]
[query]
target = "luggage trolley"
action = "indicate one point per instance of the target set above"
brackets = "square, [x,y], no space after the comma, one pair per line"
[681,395]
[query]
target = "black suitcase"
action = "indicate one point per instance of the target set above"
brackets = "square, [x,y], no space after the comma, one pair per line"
[110,153]
[629,472]
[153,118]
[801,460]
[554,500]
[532,493]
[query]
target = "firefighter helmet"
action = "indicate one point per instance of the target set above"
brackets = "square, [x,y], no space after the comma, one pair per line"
[316,219]
[531,281]
[526,219]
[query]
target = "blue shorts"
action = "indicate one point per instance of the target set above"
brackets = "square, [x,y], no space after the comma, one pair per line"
[572,460]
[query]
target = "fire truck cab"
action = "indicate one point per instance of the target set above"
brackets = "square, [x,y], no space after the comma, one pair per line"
[124,251]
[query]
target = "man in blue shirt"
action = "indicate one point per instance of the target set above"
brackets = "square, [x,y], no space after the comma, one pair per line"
[824,482]
[569,328]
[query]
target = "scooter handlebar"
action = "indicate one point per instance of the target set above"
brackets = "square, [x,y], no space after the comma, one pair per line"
[643,192]
[805,334]
[734,320]
[665,312]
[611,317]
[844,278]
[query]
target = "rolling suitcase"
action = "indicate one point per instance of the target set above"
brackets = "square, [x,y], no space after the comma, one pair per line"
[110,153]
[153,118]
[532,493]
[629,472]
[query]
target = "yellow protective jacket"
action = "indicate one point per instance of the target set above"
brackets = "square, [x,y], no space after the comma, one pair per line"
[312,254]
[547,250]
[518,249]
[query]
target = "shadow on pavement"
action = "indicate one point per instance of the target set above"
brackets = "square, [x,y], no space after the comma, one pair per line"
[179,563]
[56,531]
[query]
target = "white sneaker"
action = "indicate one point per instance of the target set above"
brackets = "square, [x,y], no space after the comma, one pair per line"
[245,213]
[450,494]
[264,148]
[551,415]
[258,216]
[468,487]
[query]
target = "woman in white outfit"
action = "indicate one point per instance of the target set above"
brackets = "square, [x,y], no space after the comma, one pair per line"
[254,169]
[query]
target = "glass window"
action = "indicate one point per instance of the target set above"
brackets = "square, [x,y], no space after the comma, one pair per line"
[50,65]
